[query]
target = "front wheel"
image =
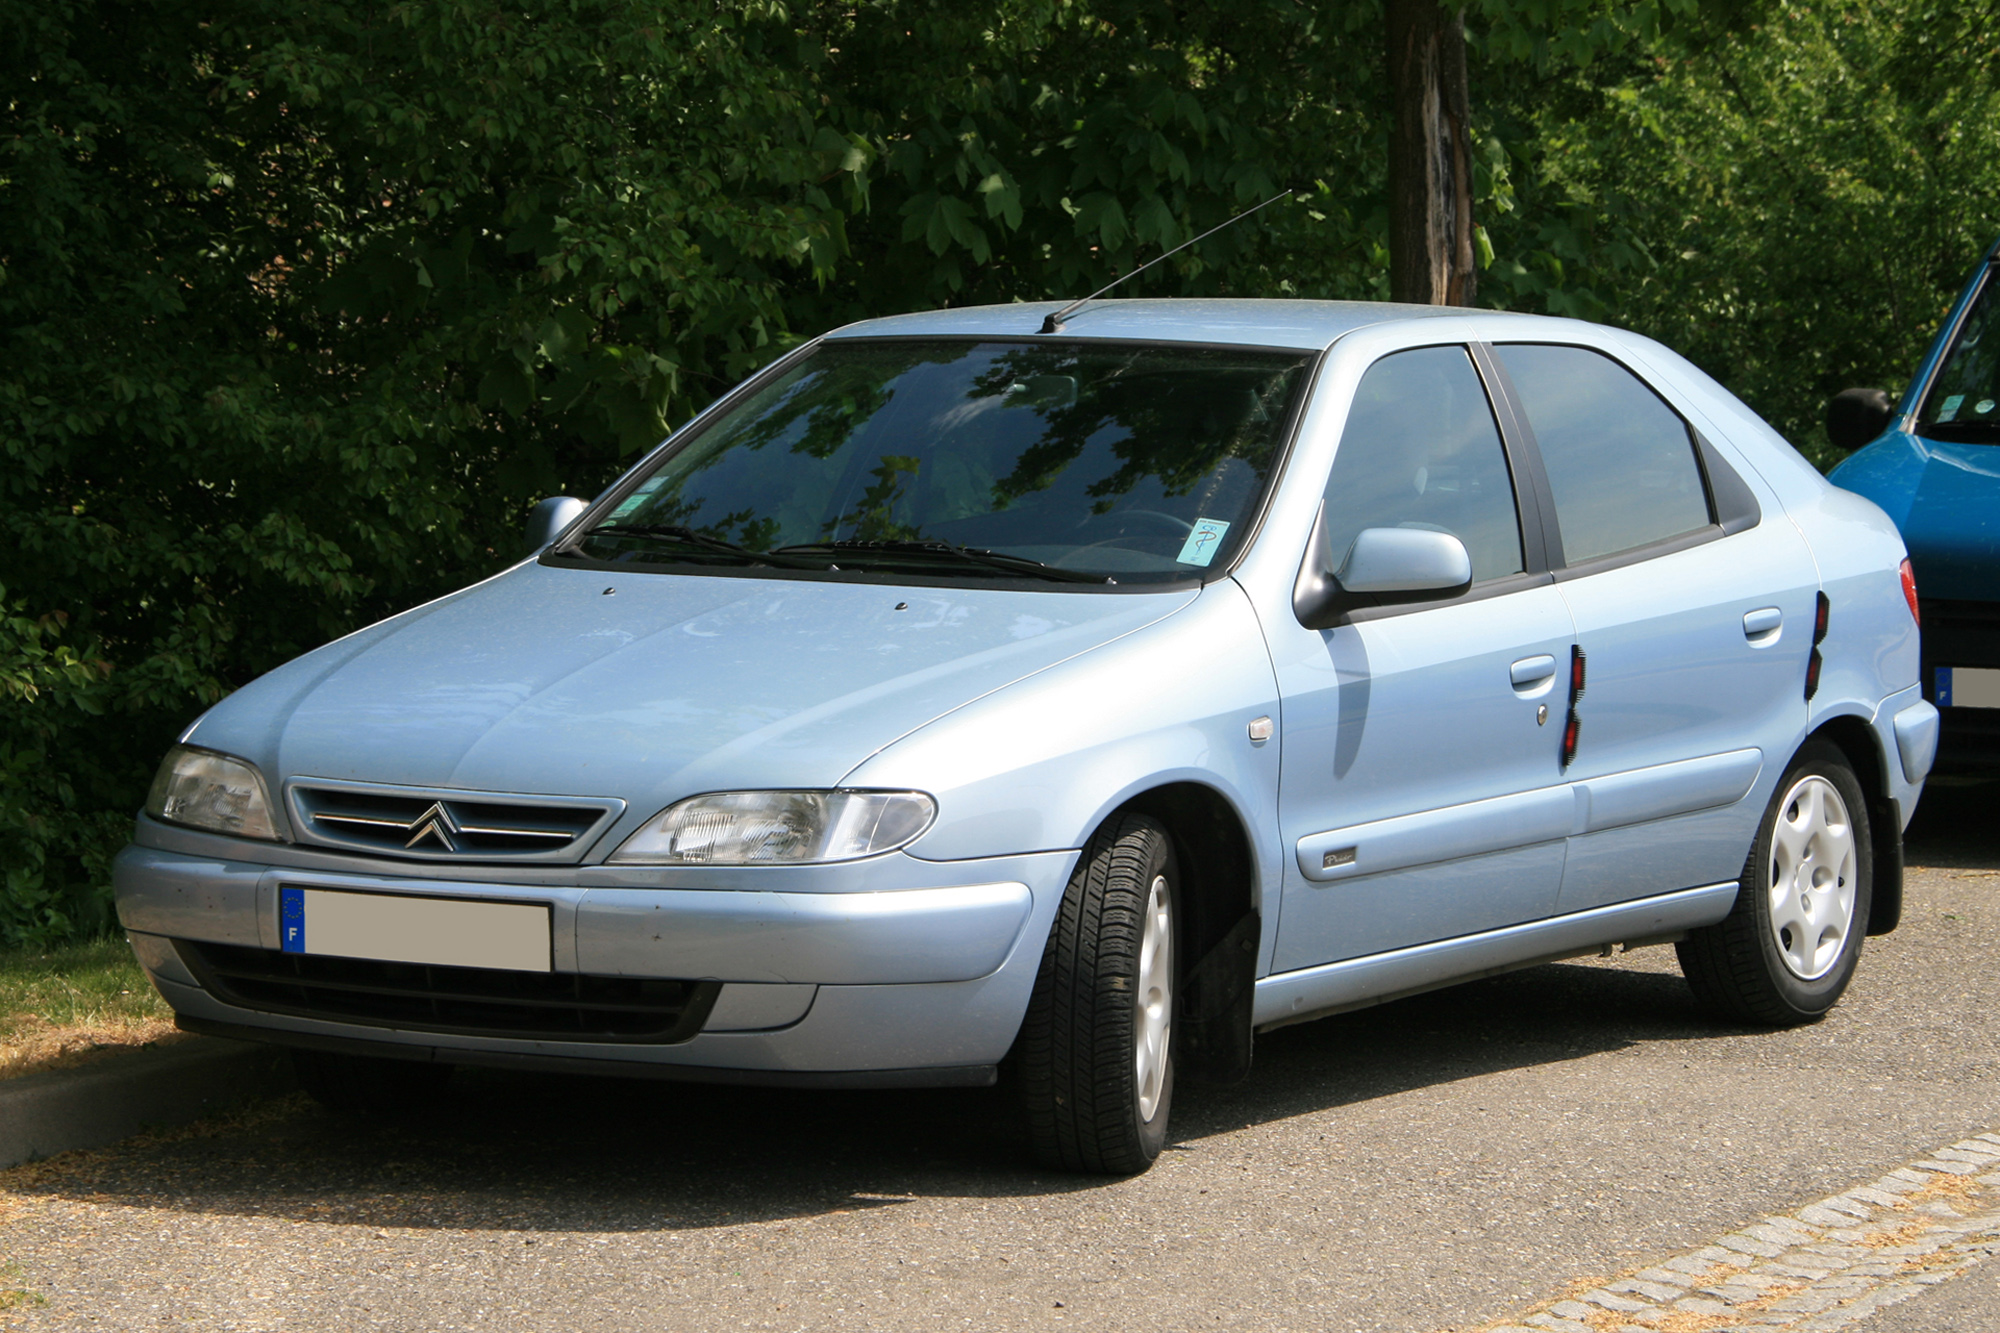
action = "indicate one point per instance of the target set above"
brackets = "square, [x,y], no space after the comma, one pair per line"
[1096,1048]
[1787,950]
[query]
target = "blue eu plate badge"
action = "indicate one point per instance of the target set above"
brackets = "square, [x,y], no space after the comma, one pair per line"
[292,920]
[1202,542]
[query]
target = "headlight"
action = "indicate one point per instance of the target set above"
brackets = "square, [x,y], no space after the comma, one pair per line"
[755,828]
[203,789]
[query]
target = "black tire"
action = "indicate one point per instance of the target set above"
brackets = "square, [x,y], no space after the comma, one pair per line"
[1746,968]
[371,1086]
[1079,1050]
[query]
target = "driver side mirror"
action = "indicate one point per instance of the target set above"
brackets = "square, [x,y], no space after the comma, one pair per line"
[547,520]
[1383,567]
[1856,416]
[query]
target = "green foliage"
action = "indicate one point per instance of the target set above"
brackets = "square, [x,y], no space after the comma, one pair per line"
[1038,149]
[1791,200]
[305,304]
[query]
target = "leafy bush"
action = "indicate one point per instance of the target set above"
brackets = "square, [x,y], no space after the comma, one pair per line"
[304,304]
[1791,202]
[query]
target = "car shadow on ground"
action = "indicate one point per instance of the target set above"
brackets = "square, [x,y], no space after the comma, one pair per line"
[1955,827]
[505,1151]
[519,1152]
[1538,1016]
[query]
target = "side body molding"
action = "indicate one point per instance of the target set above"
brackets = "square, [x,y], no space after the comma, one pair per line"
[1525,818]
[1445,834]
[1294,997]
[1665,790]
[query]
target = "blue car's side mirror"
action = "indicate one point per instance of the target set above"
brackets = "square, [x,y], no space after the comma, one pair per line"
[550,517]
[1384,565]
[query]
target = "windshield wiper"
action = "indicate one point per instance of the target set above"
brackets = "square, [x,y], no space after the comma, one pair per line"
[700,541]
[964,555]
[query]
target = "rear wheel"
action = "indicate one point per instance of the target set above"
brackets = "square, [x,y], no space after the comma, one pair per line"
[368,1085]
[1789,947]
[1096,1048]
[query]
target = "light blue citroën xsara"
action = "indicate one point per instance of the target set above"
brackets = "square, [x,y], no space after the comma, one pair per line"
[954,695]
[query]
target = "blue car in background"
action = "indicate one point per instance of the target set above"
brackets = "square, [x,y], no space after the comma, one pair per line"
[1934,467]
[982,690]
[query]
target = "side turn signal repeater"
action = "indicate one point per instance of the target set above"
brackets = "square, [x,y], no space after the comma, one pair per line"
[1572,723]
[1815,661]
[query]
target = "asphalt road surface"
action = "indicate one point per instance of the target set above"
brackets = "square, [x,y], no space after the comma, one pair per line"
[1442,1162]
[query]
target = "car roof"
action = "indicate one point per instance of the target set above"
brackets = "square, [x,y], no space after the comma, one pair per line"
[1307,325]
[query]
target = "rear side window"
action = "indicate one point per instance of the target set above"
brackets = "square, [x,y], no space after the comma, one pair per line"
[1620,461]
[1421,450]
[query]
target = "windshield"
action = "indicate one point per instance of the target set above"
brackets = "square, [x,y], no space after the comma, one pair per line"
[1964,399]
[1054,462]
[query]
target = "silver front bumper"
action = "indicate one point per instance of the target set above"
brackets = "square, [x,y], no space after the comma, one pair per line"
[822,972]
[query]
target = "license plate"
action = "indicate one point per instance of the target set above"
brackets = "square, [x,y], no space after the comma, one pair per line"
[1968,687]
[451,932]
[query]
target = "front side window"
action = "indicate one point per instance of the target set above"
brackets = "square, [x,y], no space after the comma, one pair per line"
[1421,450]
[1964,400]
[1621,463]
[1053,462]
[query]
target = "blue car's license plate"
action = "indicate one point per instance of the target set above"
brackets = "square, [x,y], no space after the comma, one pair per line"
[1967,687]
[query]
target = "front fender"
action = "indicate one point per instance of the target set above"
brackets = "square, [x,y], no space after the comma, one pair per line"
[1042,763]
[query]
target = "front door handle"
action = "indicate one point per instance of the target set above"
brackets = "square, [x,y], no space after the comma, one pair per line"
[1762,625]
[1532,671]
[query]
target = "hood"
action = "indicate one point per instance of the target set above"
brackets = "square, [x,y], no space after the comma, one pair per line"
[650,687]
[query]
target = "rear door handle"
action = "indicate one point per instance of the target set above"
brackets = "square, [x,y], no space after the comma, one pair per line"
[1763,624]
[1532,671]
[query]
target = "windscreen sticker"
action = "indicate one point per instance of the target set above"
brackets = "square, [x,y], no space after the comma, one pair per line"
[1983,406]
[1949,407]
[1203,542]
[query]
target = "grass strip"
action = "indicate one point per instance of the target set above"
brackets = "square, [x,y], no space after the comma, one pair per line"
[68,1005]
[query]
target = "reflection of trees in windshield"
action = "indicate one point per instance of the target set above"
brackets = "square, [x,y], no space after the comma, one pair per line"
[835,401]
[1039,449]
[874,519]
[820,408]
[1171,425]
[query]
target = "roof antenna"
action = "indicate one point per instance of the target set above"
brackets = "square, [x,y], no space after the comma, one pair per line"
[1054,323]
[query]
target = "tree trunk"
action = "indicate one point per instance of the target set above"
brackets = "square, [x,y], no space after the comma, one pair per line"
[1430,156]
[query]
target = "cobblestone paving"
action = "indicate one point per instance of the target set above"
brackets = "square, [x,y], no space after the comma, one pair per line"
[1444,1161]
[1820,1268]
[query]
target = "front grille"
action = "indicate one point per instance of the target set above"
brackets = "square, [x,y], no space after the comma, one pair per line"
[448,826]
[477,1001]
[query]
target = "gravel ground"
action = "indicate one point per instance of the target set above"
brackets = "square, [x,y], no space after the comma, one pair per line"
[1443,1161]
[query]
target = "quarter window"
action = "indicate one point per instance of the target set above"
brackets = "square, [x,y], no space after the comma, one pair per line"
[1620,461]
[1421,451]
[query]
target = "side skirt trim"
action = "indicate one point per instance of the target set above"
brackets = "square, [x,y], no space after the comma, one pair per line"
[1354,983]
